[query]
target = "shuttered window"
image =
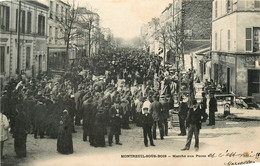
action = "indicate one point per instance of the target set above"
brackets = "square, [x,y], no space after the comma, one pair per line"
[28,57]
[248,39]
[41,25]
[257,4]
[23,22]
[29,22]
[2,58]
[4,17]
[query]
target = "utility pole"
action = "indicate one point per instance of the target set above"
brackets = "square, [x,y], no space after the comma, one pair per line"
[19,43]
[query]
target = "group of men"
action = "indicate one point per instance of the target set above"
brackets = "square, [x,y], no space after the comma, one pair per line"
[95,101]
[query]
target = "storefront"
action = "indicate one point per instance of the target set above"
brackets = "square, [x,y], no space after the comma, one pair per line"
[239,73]
[248,76]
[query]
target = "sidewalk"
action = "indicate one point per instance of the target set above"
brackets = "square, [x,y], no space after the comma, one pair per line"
[239,113]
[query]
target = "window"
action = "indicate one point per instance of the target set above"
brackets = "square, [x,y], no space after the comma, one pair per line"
[62,14]
[256,46]
[41,25]
[216,40]
[56,35]
[4,17]
[29,22]
[66,16]
[229,6]
[248,39]
[257,4]
[50,32]
[51,6]
[216,8]
[228,40]
[57,12]
[28,57]
[16,25]
[23,22]
[2,59]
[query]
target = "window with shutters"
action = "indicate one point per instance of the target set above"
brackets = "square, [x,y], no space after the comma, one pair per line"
[29,22]
[256,40]
[57,12]
[28,57]
[4,17]
[257,4]
[61,14]
[248,39]
[50,34]
[2,59]
[41,25]
[228,40]
[56,35]
[23,22]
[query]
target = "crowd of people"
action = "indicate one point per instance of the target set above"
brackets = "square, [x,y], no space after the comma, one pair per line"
[101,94]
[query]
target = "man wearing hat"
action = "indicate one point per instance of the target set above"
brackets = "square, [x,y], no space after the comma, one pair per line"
[156,110]
[194,125]
[87,108]
[147,123]
[126,109]
[213,107]
[115,115]
[40,117]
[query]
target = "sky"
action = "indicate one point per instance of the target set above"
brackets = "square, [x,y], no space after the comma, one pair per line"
[125,17]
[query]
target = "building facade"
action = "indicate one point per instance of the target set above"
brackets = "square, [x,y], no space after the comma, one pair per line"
[88,23]
[33,38]
[193,18]
[236,46]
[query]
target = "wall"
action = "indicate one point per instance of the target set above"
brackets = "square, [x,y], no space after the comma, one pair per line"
[197,17]
[245,20]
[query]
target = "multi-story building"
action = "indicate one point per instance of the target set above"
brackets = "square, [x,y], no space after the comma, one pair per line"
[193,19]
[88,21]
[166,20]
[236,46]
[33,38]
[58,23]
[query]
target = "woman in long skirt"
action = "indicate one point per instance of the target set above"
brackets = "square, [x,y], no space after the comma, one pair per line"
[64,143]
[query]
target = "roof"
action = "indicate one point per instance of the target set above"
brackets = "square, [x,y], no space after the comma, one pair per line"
[38,4]
[83,10]
[167,8]
[203,51]
[195,45]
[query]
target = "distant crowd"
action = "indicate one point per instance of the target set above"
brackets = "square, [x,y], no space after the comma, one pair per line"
[103,94]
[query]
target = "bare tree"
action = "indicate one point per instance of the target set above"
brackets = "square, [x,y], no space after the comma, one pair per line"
[176,38]
[89,21]
[66,25]
[161,35]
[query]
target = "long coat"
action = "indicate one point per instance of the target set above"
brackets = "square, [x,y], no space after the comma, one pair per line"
[183,110]
[194,117]
[213,106]
[156,110]
[64,142]
[21,129]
